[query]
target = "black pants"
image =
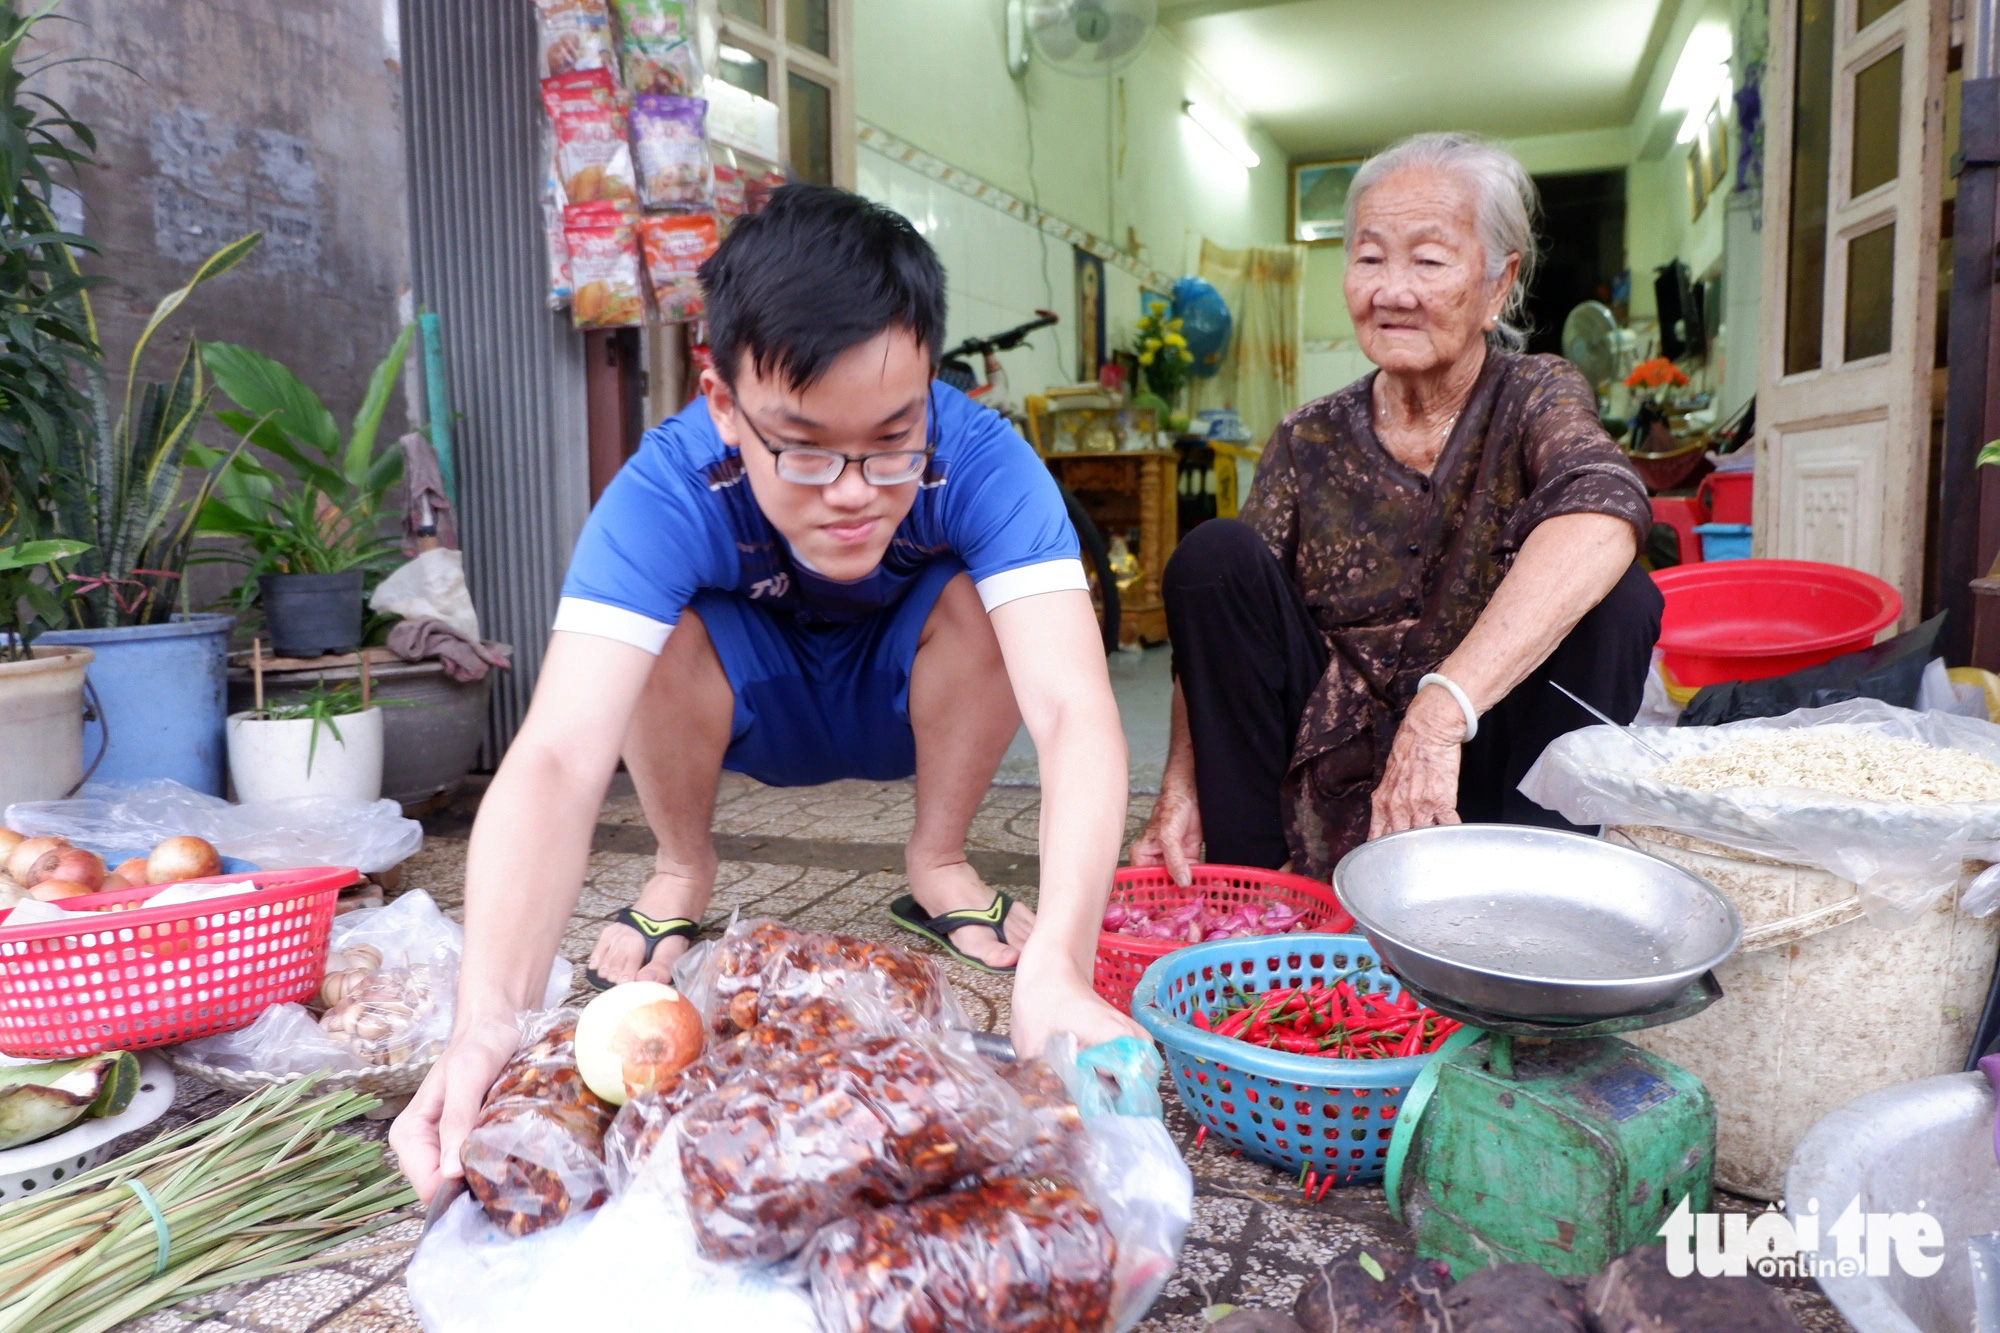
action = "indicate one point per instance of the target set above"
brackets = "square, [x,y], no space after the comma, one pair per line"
[1248,658]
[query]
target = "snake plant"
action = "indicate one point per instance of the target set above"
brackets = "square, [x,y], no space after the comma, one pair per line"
[121,479]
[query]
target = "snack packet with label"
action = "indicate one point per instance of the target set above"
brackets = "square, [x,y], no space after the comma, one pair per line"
[675,246]
[729,201]
[603,241]
[576,35]
[593,159]
[657,47]
[673,152]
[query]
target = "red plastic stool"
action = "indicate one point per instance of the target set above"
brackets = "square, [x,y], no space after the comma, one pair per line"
[1682,513]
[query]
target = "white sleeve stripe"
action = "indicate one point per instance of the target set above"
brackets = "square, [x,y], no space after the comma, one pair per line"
[1010,585]
[576,615]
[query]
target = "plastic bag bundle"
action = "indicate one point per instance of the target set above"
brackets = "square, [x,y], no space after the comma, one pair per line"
[762,970]
[771,1158]
[1903,857]
[1014,1256]
[535,1156]
[386,999]
[271,835]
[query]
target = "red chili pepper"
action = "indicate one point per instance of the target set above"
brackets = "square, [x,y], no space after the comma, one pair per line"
[1201,1021]
[1325,1185]
[1409,1043]
[1312,1182]
[1200,1137]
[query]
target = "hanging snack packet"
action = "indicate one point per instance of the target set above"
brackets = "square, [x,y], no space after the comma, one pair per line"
[657,48]
[603,265]
[555,248]
[758,183]
[576,34]
[729,201]
[592,158]
[673,152]
[675,246]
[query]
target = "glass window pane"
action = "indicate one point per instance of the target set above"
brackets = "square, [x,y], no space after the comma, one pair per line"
[810,115]
[1867,11]
[1812,140]
[809,23]
[749,11]
[1871,264]
[746,69]
[1878,122]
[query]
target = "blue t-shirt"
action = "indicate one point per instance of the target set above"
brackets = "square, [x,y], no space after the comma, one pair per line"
[680,518]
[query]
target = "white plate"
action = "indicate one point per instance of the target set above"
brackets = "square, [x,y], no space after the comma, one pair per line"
[34,1167]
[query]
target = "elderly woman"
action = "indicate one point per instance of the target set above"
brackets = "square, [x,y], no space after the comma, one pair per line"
[1424,554]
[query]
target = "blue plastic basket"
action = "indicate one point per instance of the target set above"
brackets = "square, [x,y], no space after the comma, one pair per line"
[1285,1109]
[1724,541]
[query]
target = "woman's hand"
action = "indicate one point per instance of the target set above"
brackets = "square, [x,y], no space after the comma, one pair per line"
[1420,783]
[1172,837]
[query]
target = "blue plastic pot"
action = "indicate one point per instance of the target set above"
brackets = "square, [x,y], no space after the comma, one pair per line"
[161,694]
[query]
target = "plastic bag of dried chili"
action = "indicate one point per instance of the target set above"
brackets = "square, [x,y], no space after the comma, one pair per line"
[761,970]
[770,1158]
[535,1156]
[1014,1256]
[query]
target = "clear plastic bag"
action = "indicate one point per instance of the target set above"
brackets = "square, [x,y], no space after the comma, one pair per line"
[630,1265]
[764,970]
[271,835]
[1013,1256]
[1903,857]
[386,998]
[535,1156]
[770,1158]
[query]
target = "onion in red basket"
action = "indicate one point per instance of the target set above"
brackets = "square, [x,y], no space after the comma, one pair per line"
[1195,921]
[182,858]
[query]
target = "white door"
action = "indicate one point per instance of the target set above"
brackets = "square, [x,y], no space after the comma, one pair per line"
[1852,177]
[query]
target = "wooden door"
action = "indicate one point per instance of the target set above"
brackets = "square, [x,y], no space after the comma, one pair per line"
[1854,121]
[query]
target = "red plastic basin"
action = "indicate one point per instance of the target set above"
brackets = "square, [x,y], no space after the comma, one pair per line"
[1749,619]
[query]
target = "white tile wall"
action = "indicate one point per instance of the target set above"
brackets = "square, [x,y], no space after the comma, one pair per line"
[1000,270]
[1324,370]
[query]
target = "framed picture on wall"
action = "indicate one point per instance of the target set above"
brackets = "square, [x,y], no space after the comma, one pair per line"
[1319,199]
[1091,352]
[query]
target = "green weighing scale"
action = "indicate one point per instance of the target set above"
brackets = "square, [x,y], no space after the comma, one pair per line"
[1537,1135]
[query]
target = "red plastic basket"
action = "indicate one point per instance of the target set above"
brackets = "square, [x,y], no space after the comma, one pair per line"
[123,976]
[1123,959]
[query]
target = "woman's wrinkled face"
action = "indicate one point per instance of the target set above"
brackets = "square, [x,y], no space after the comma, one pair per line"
[1416,282]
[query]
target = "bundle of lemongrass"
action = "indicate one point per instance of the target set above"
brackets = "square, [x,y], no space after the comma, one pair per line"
[251,1193]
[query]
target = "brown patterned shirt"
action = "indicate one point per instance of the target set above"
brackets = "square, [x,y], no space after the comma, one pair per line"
[1396,566]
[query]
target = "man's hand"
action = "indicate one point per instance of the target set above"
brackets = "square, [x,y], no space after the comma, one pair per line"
[1420,783]
[428,1134]
[1051,997]
[1172,837]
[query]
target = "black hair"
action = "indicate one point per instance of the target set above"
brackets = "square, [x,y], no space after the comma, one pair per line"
[818,271]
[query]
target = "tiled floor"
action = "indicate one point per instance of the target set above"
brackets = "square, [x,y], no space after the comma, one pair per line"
[828,858]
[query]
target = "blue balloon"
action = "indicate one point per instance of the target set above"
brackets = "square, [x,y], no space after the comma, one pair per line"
[1205,323]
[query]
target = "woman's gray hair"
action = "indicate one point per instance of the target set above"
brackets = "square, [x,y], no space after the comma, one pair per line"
[1506,208]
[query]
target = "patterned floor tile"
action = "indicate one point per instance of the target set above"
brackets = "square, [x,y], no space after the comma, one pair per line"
[300,1302]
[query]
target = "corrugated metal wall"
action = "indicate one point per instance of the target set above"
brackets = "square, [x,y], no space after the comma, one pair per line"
[516,369]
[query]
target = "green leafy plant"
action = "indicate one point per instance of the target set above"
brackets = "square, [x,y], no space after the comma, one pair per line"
[327,518]
[46,330]
[1988,453]
[321,705]
[120,489]
[28,603]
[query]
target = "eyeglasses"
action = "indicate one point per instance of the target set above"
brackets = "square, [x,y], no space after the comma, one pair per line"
[809,465]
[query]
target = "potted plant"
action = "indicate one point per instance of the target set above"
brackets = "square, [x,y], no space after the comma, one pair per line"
[159,672]
[1165,362]
[326,742]
[312,539]
[41,688]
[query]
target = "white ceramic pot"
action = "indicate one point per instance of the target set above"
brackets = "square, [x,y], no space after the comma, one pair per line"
[273,761]
[41,724]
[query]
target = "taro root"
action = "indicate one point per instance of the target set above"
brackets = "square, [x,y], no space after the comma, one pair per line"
[1636,1294]
[1374,1289]
[1514,1298]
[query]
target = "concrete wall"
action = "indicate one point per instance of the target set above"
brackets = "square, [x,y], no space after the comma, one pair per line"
[219,117]
[1116,158]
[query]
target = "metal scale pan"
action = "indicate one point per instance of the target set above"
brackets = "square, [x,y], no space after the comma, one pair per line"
[1516,923]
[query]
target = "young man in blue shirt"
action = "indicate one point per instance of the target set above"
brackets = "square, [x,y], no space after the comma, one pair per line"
[828,566]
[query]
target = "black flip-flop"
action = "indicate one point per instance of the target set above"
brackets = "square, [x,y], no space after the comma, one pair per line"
[937,929]
[651,931]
